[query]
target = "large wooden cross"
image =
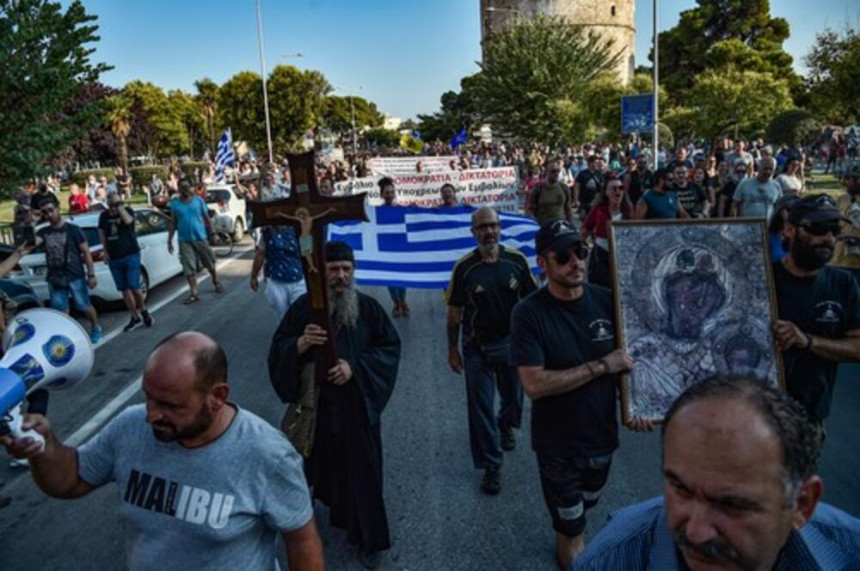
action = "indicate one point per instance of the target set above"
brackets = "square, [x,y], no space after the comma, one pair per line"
[308,212]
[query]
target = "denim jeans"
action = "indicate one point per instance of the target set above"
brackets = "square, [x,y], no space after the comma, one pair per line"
[487,370]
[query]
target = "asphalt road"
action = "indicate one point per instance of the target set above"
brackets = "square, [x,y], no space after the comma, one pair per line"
[438,517]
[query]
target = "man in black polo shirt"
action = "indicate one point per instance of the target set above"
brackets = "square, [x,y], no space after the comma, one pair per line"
[485,286]
[819,306]
[563,344]
[588,183]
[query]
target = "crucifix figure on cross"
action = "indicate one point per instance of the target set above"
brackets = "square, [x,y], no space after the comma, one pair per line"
[308,212]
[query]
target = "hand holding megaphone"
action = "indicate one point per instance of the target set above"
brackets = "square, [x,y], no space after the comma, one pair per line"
[45,349]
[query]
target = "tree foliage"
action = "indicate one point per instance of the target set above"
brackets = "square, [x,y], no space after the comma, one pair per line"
[46,63]
[734,102]
[296,105]
[207,99]
[337,114]
[99,145]
[379,137]
[533,69]
[602,103]
[164,133]
[833,80]
[718,34]
[793,127]
[458,110]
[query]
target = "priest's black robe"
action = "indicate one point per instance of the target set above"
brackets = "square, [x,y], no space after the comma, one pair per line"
[345,466]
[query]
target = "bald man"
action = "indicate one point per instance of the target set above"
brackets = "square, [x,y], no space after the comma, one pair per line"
[206,485]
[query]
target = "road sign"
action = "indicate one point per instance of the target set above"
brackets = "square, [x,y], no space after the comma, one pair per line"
[637,114]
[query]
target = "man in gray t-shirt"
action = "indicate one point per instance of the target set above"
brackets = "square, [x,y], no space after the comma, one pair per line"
[202,484]
[755,197]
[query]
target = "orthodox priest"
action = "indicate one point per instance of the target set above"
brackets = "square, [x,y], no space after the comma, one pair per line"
[344,467]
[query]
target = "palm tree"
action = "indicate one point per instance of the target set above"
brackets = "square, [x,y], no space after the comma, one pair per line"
[207,98]
[119,117]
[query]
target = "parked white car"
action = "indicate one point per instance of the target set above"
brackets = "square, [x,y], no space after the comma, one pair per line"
[157,264]
[226,210]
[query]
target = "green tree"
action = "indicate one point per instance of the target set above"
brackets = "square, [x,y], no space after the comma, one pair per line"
[296,104]
[735,102]
[379,137]
[721,33]
[240,105]
[190,114]
[532,69]
[833,81]
[119,119]
[602,103]
[45,63]
[168,135]
[207,99]
[337,114]
[458,110]
[793,127]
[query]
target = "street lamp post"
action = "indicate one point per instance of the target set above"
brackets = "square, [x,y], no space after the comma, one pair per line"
[656,137]
[265,89]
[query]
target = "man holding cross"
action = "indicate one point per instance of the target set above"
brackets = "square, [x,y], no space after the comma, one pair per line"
[334,358]
[345,463]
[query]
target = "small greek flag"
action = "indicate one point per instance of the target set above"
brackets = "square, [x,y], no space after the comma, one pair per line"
[224,157]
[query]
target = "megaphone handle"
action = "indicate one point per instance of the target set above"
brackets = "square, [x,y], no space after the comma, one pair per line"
[15,428]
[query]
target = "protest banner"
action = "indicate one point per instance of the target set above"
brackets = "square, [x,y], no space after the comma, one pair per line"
[493,187]
[391,166]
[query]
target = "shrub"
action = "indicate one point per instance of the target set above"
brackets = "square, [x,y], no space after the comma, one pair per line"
[140,176]
[194,169]
[793,127]
[82,176]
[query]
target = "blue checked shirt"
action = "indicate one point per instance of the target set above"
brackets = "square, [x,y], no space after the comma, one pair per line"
[637,538]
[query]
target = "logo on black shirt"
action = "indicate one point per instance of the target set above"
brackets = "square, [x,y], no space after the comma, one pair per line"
[601,330]
[828,312]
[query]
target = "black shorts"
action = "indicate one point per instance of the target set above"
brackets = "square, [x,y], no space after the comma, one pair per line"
[571,486]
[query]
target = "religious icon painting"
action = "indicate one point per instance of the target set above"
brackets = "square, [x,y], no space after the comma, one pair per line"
[694,299]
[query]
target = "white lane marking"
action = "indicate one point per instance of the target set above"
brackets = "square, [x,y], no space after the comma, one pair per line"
[89,427]
[82,434]
[153,308]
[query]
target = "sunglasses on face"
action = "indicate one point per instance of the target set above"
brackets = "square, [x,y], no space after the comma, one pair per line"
[562,257]
[822,229]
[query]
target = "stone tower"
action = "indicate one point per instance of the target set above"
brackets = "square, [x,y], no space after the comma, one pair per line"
[609,18]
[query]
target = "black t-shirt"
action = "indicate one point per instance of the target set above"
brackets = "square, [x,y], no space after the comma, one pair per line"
[824,305]
[691,197]
[488,293]
[728,194]
[559,335]
[639,183]
[63,250]
[590,182]
[120,238]
[37,199]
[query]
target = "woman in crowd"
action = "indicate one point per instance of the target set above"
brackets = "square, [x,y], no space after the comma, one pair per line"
[789,180]
[609,205]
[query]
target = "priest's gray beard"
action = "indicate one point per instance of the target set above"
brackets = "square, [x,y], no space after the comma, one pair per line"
[343,307]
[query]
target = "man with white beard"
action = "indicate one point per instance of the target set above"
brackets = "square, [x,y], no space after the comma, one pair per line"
[344,464]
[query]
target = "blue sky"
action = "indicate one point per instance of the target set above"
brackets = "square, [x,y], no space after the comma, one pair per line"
[402,54]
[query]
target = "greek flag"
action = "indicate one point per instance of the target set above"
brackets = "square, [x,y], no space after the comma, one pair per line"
[224,157]
[417,247]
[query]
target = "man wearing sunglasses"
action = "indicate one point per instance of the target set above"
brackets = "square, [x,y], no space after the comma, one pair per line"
[819,306]
[563,344]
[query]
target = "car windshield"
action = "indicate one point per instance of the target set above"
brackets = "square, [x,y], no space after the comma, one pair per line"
[213,196]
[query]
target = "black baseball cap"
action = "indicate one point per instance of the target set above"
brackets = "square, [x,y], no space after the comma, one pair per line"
[556,235]
[814,208]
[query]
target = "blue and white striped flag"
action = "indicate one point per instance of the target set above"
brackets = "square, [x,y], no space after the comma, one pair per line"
[417,247]
[224,157]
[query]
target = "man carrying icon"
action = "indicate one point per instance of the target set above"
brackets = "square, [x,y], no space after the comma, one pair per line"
[563,344]
[819,307]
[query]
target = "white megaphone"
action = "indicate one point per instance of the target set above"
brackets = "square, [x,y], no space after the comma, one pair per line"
[45,349]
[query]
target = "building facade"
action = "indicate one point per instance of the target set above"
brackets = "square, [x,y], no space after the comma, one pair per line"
[611,19]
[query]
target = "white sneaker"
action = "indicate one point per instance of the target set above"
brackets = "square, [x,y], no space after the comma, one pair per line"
[19,463]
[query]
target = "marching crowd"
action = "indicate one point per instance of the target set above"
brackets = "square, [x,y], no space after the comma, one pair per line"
[210,485]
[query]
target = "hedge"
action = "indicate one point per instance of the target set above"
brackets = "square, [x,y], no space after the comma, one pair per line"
[189,168]
[81,177]
[141,176]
